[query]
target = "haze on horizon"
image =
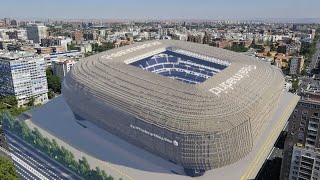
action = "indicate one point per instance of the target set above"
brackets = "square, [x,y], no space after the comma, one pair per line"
[164,9]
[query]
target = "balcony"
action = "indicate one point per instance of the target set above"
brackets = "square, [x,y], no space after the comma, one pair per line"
[312,128]
[309,167]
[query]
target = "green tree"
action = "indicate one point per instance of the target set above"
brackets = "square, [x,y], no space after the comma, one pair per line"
[84,167]
[51,94]
[268,54]
[253,44]
[54,83]
[237,48]
[2,106]
[31,101]
[11,100]
[295,85]
[49,71]
[72,47]
[273,48]
[7,170]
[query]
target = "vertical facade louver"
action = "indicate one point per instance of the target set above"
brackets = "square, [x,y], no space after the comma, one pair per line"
[201,127]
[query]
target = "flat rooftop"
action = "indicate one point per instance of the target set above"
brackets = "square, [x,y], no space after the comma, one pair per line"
[57,118]
[16,56]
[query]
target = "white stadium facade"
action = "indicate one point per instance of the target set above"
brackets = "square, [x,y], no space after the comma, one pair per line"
[197,106]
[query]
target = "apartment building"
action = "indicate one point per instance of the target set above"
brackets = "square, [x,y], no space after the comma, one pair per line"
[36,32]
[61,68]
[305,163]
[23,75]
[296,65]
[303,129]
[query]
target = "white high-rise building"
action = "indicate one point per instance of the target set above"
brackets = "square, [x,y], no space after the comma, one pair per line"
[305,163]
[36,32]
[296,65]
[23,75]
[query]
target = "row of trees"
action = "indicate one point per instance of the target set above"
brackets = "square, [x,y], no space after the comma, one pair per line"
[10,103]
[52,149]
[103,47]
[7,170]
[237,48]
[308,51]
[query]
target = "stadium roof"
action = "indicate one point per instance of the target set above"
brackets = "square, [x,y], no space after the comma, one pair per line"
[223,101]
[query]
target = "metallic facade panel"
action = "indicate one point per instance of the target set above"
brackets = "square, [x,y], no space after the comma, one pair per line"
[203,126]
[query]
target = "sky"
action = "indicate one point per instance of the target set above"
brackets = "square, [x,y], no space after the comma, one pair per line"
[159,9]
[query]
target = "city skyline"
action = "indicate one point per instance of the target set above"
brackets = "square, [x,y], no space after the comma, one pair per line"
[179,10]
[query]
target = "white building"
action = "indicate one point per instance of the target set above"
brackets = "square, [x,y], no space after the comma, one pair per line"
[22,34]
[23,75]
[287,86]
[85,48]
[61,68]
[296,65]
[55,41]
[74,54]
[305,163]
[36,32]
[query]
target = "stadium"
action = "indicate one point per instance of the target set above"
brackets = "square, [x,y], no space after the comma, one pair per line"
[194,105]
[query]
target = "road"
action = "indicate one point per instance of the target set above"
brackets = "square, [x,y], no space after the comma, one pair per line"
[314,64]
[315,59]
[33,164]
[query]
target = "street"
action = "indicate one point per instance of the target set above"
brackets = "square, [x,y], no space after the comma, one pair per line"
[30,163]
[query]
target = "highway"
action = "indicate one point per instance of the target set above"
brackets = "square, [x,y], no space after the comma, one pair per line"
[33,164]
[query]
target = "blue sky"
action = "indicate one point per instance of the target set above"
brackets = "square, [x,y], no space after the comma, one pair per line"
[160,9]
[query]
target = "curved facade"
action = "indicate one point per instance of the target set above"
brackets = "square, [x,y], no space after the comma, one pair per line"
[203,125]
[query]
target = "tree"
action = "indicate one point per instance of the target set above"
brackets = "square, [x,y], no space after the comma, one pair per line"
[295,85]
[31,101]
[268,54]
[49,71]
[11,100]
[2,106]
[7,170]
[51,94]
[272,47]
[54,83]
[71,47]
[253,44]
[237,48]
[84,166]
